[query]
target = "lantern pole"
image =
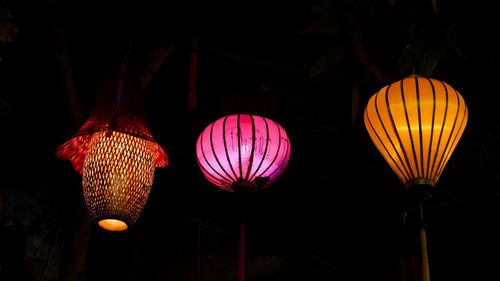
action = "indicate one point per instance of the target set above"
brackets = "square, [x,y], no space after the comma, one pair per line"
[423,242]
[245,192]
[420,193]
[241,252]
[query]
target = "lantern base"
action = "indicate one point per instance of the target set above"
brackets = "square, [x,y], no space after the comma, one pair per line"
[420,191]
[243,187]
[112,225]
[420,182]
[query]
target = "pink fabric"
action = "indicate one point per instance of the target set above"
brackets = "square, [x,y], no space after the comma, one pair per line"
[243,150]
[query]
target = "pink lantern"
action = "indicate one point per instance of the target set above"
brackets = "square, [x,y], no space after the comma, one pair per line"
[243,150]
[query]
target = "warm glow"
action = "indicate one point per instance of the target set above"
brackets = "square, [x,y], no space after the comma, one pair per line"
[243,149]
[416,124]
[118,174]
[113,225]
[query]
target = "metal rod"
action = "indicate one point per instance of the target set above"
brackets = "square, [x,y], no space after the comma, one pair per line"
[423,243]
[241,253]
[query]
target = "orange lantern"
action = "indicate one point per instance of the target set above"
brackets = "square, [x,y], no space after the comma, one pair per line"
[416,124]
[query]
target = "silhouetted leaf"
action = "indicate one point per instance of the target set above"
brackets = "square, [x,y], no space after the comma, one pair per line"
[5,110]
[326,20]
[429,60]
[365,59]
[434,6]
[410,54]
[327,60]
[321,7]
[354,101]
[323,25]
[456,50]
[154,60]
[369,6]
[7,28]
[7,31]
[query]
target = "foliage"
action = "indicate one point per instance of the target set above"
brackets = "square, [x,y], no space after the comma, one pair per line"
[5,111]
[7,27]
[378,41]
[361,27]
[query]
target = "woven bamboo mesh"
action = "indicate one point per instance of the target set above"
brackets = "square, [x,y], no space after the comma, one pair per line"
[117,178]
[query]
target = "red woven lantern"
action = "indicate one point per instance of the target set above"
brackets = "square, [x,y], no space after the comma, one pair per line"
[243,150]
[116,154]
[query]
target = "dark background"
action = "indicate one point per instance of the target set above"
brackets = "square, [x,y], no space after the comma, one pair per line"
[338,213]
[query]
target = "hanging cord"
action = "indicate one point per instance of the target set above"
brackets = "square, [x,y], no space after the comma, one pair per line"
[244,196]
[241,252]
[121,82]
[423,241]
[193,75]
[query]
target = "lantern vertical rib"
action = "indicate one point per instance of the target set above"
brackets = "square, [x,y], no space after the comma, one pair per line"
[215,154]
[444,159]
[276,155]
[453,134]
[225,146]
[406,167]
[239,147]
[265,149]
[206,172]
[435,174]
[389,157]
[396,132]
[250,165]
[431,138]
[419,110]
[413,150]
[217,160]
[282,161]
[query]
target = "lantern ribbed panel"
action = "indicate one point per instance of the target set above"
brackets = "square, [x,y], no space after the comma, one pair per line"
[243,150]
[117,176]
[416,123]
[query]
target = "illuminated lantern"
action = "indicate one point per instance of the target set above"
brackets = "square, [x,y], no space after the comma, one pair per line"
[243,153]
[116,155]
[416,124]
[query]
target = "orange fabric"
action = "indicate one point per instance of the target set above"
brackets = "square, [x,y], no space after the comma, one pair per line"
[416,123]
